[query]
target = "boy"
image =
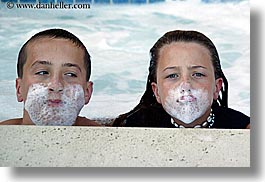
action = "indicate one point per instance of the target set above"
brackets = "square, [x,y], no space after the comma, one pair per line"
[53,69]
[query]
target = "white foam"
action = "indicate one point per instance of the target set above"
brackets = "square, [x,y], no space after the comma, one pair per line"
[187,111]
[41,113]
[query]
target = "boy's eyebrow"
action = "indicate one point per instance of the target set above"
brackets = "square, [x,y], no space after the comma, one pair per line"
[41,62]
[49,63]
[71,65]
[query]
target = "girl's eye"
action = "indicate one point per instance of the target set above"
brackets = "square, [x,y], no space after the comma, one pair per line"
[71,74]
[172,76]
[199,75]
[42,73]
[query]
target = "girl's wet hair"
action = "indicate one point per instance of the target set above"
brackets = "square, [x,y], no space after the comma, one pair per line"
[148,99]
[53,33]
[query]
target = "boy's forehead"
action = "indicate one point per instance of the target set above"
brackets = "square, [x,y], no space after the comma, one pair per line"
[52,44]
[48,40]
[47,47]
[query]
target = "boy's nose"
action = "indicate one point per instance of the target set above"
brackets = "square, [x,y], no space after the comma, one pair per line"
[55,85]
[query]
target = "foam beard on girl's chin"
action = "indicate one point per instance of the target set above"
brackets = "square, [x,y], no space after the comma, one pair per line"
[187,106]
[64,114]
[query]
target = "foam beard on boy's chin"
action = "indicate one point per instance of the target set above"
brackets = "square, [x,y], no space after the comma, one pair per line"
[187,106]
[41,112]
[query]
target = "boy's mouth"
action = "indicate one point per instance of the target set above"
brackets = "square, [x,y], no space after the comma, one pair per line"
[54,102]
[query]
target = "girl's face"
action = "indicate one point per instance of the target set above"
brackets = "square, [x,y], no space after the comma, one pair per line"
[186,84]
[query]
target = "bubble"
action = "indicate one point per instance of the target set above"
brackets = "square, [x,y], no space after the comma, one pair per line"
[187,111]
[64,114]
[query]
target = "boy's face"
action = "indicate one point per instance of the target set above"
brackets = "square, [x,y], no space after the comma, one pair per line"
[54,70]
[186,85]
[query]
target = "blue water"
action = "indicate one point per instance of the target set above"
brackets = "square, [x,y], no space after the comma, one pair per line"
[119,37]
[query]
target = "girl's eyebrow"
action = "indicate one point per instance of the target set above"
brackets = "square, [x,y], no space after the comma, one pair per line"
[170,68]
[178,67]
[195,67]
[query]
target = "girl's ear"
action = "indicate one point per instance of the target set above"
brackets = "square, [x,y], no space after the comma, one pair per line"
[156,92]
[218,86]
[88,91]
[19,90]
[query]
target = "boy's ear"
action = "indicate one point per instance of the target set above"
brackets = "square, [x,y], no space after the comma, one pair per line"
[156,92]
[218,86]
[19,90]
[88,91]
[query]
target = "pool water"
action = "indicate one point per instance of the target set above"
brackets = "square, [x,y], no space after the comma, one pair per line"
[119,37]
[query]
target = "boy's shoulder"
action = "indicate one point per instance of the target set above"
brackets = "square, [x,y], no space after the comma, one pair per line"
[15,121]
[80,121]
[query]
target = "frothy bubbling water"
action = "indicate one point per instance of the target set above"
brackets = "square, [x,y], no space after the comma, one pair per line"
[64,114]
[187,105]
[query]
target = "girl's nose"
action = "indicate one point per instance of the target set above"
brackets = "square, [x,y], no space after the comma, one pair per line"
[185,78]
[185,87]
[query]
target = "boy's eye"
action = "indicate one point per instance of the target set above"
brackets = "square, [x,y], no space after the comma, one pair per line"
[71,74]
[41,73]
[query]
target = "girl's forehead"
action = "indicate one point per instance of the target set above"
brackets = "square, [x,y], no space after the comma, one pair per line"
[180,45]
[184,53]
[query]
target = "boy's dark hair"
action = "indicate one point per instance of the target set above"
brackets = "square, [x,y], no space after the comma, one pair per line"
[53,33]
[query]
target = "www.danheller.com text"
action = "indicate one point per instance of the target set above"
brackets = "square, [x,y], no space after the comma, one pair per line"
[51,5]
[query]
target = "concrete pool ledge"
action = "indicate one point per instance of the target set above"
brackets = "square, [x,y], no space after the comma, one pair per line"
[47,146]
